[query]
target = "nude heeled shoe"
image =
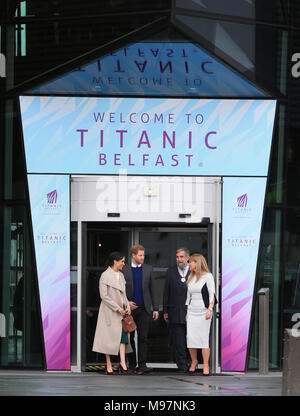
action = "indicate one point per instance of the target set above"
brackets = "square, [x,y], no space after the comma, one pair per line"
[192,372]
[206,374]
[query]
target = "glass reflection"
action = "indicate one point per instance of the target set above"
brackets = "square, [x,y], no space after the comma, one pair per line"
[21,341]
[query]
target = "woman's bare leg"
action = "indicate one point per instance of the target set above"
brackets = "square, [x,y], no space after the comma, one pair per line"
[108,364]
[122,356]
[205,355]
[193,354]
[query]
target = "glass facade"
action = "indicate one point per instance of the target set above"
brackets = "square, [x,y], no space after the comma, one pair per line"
[43,40]
[22,346]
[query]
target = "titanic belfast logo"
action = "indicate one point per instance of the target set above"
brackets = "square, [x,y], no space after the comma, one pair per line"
[241,205]
[52,197]
[50,205]
[242,201]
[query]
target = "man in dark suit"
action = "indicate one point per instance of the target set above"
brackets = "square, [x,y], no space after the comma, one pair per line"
[174,307]
[142,296]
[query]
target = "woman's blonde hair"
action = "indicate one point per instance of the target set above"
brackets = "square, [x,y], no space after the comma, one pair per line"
[201,267]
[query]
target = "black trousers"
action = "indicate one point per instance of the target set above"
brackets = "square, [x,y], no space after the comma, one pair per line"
[142,320]
[178,343]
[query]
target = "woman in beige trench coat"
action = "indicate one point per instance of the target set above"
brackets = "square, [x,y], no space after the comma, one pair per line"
[109,336]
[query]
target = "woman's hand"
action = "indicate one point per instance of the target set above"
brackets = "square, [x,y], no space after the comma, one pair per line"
[208,314]
[128,310]
[122,311]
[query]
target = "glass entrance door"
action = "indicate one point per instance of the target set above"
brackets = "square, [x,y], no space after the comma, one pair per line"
[160,244]
[97,245]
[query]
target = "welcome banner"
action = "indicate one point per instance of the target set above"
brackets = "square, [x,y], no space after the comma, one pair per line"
[150,135]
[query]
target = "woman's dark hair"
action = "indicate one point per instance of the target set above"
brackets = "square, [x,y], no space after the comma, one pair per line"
[115,255]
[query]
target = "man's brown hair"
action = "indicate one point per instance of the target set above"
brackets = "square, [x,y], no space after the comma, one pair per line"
[135,249]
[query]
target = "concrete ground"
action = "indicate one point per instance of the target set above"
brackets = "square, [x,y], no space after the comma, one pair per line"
[168,384]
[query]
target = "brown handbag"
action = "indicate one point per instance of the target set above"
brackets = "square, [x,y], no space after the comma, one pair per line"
[128,324]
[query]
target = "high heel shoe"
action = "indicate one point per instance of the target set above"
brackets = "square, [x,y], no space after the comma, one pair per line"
[122,370]
[206,374]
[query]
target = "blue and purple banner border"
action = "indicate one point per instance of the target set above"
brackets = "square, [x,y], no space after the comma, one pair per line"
[230,138]
[242,212]
[50,212]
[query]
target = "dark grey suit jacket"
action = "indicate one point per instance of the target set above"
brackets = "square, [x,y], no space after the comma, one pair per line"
[175,296]
[149,286]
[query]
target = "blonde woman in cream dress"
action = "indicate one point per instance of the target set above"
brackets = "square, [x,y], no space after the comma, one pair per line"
[198,315]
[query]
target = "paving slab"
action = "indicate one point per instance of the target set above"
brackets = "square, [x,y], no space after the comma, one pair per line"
[156,384]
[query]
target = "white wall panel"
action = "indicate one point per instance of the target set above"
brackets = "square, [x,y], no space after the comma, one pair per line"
[143,198]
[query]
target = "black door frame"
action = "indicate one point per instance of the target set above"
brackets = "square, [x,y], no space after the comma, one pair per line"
[134,229]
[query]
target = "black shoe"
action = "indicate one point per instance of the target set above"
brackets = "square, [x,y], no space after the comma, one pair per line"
[143,370]
[140,372]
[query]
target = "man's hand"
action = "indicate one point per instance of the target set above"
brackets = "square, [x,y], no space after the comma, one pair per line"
[133,305]
[166,317]
[155,315]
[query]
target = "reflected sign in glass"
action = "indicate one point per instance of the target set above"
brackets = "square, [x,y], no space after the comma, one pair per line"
[147,135]
[243,203]
[50,210]
[153,68]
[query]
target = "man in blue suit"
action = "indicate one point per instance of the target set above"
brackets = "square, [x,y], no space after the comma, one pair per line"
[142,296]
[174,307]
